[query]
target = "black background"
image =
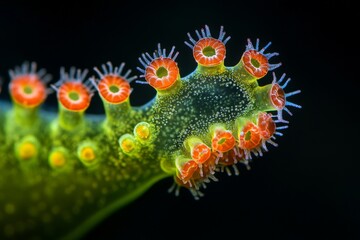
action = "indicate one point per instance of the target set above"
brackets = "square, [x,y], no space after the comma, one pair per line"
[306,188]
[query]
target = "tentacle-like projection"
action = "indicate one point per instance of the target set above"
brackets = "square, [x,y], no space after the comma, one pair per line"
[61,173]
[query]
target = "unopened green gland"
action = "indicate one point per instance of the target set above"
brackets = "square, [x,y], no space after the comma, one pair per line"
[61,174]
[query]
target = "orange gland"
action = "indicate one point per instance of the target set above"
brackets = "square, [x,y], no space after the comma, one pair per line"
[256,62]
[142,131]
[114,89]
[160,70]
[127,143]
[27,86]
[266,125]
[186,168]
[58,158]
[72,93]
[200,153]
[249,136]
[162,73]
[113,86]
[74,96]
[277,96]
[222,140]
[208,51]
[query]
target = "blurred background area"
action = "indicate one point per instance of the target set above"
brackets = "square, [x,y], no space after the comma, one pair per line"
[307,187]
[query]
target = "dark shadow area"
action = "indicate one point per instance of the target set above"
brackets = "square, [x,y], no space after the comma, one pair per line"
[306,188]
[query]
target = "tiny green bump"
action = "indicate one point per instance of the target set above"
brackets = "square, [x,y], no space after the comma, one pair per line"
[59,158]
[143,132]
[128,143]
[88,153]
[27,149]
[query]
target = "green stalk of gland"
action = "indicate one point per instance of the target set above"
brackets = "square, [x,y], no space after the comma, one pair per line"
[69,203]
